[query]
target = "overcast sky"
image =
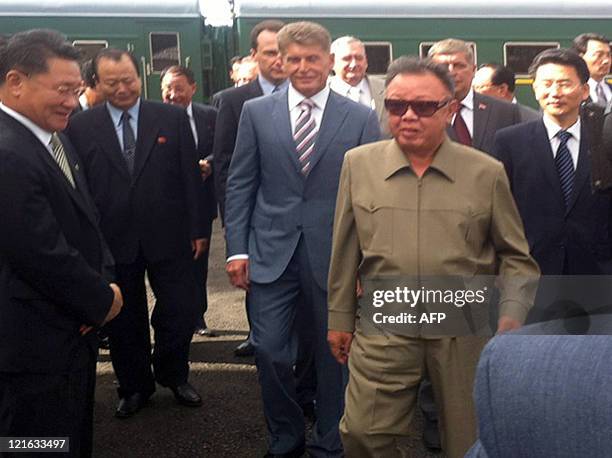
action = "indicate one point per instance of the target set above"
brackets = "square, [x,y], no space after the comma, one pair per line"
[217,12]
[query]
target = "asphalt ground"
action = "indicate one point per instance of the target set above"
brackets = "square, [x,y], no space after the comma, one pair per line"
[231,422]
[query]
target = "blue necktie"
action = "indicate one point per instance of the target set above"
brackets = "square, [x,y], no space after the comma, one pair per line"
[565,166]
[129,141]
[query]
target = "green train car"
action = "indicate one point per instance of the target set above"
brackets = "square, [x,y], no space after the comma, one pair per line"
[508,32]
[158,33]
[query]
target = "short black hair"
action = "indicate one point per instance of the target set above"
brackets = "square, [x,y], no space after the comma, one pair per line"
[29,51]
[87,73]
[581,42]
[501,75]
[272,25]
[115,55]
[178,70]
[410,65]
[561,56]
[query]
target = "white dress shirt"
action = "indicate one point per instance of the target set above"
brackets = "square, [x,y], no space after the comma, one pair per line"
[40,133]
[192,123]
[573,144]
[593,90]
[467,112]
[360,93]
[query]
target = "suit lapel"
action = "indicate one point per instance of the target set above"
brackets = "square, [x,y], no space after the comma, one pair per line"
[282,125]
[333,117]
[482,113]
[148,128]
[107,139]
[545,160]
[583,169]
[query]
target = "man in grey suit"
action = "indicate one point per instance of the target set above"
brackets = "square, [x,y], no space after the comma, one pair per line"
[281,195]
[496,80]
[351,80]
[532,392]
[478,116]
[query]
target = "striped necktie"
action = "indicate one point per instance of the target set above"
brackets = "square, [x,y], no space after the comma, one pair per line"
[305,134]
[60,157]
[565,166]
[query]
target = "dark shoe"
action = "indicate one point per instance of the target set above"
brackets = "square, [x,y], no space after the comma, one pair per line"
[431,435]
[245,349]
[205,332]
[297,452]
[186,395]
[129,405]
[308,410]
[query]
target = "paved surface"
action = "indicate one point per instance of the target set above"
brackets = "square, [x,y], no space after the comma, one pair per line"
[231,423]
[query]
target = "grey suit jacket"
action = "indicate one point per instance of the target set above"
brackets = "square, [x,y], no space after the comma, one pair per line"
[270,204]
[490,115]
[527,113]
[544,396]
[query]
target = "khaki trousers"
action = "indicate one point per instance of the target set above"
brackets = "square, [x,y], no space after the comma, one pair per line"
[385,372]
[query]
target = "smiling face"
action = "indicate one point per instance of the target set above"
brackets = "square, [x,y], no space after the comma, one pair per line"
[177,90]
[308,67]
[559,92]
[48,98]
[414,134]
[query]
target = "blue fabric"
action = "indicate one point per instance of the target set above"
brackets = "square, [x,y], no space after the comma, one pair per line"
[544,396]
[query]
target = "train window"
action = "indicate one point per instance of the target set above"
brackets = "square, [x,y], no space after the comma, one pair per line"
[165,50]
[519,55]
[380,54]
[89,48]
[425,46]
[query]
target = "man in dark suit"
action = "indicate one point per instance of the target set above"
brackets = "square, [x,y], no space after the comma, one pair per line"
[496,80]
[479,116]
[264,50]
[140,159]
[52,255]
[178,87]
[281,196]
[595,50]
[548,162]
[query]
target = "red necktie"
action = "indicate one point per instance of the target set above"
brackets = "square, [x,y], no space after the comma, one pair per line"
[461,130]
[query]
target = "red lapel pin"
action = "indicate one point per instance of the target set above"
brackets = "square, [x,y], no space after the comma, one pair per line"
[161,140]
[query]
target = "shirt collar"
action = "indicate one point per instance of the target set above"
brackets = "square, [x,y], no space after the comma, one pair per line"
[115,113]
[443,160]
[468,101]
[552,128]
[319,99]
[189,110]
[40,133]
[267,86]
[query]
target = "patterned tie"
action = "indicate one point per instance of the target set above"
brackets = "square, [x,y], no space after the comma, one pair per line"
[461,129]
[565,166]
[60,157]
[601,95]
[305,134]
[129,141]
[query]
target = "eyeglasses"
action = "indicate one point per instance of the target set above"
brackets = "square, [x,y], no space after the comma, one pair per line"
[61,90]
[421,108]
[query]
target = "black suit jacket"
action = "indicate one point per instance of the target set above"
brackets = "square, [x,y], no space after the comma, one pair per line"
[574,241]
[205,117]
[51,256]
[157,208]
[230,102]
[490,115]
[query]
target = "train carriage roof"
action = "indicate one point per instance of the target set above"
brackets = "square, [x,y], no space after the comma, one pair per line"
[423,9]
[102,8]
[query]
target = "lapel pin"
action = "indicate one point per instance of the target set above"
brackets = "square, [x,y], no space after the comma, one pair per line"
[482,106]
[161,140]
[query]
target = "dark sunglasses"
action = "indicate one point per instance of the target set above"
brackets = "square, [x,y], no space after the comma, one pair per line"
[422,108]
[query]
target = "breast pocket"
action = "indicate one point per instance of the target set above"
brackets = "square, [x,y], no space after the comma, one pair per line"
[375,228]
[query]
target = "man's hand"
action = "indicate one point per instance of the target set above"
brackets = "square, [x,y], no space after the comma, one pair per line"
[116,305]
[340,344]
[199,247]
[238,272]
[505,324]
[205,168]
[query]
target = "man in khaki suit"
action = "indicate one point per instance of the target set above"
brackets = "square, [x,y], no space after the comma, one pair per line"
[419,204]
